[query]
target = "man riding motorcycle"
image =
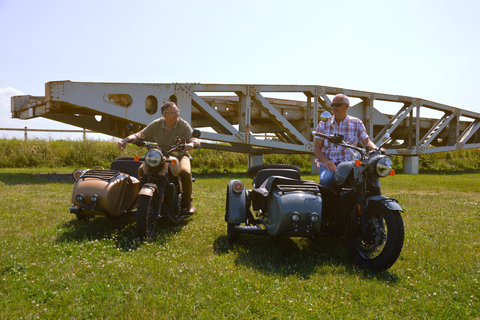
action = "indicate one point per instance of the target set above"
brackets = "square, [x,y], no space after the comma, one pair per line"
[329,154]
[166,130]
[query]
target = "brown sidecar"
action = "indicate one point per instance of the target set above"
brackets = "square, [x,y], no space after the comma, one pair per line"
[111,193]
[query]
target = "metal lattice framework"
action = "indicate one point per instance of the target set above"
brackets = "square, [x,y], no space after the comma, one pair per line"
[255,119]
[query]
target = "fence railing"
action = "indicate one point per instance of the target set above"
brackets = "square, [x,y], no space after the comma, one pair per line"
[26,130]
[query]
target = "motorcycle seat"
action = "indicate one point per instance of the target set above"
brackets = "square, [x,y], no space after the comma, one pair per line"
[264,174]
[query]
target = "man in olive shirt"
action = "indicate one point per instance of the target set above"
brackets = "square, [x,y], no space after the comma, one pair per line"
[165,130]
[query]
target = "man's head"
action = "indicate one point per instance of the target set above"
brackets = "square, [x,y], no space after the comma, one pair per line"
[340,104]
[170,111]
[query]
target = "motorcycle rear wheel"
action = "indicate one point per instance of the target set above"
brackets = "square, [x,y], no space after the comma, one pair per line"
[146,220]
[383,244]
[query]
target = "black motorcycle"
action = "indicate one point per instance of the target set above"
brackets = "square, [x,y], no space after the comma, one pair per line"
[281,204]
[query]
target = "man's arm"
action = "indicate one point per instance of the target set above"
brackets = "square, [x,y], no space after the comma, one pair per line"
[317,149]
[369,143]
[123,143]
[192,143]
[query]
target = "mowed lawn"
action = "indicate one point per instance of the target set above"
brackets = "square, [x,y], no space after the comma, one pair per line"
[54,266]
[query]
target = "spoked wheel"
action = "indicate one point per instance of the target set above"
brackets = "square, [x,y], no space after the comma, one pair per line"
[146,219]
[381,247]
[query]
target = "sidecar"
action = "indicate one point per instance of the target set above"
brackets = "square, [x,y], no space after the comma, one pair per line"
[280,204]
[110,193]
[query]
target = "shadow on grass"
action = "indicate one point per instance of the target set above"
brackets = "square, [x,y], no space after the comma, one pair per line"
[120,230]
[36,178]
[296,256]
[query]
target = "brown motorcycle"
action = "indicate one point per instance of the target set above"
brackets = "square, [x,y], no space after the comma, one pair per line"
[149,187]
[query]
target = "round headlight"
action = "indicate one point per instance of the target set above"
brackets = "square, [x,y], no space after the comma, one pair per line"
[94,198]
[314,217]
[153,158]
[384,166]
[80,198]
[295,217]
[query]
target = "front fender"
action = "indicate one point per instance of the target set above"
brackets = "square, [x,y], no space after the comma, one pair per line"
[390,203]
[236,203]
[148,189]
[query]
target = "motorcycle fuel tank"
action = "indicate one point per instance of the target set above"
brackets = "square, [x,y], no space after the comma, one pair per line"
[343,169]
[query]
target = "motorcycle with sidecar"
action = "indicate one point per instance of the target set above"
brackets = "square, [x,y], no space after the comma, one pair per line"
[149,187]
[282,204]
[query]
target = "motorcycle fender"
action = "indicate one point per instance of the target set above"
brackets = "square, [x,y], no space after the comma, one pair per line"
[147,189]
[390,203]
[236,203]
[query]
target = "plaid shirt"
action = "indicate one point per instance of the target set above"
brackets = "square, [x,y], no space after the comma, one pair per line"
[353,131]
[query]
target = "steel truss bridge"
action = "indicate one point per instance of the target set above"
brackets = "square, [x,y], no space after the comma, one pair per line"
[256,119]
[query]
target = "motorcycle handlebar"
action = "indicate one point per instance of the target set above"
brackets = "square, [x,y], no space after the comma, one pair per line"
[338,140]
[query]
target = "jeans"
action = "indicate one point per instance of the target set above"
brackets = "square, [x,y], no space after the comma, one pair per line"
[327,177]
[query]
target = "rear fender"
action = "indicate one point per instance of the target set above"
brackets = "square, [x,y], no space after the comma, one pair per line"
[390,203]
[236,203]
[148,189]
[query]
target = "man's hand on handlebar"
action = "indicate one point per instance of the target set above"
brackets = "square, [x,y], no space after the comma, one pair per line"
[189,146]
[122,144]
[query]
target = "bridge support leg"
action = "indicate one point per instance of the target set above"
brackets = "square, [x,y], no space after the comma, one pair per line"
[314,168]
[254,160]
[410,164]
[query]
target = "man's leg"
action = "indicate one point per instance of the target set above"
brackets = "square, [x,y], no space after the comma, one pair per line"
[186,176]
[327,177]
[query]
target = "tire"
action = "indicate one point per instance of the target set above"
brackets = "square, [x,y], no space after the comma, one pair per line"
[232,235]
[382,249]
[252,171]
[146,220]
[83,216]
[126,165]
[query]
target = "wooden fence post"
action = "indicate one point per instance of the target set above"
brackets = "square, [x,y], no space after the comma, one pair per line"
[25,133]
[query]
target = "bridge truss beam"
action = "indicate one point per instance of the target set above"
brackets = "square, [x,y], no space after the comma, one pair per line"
[255,119]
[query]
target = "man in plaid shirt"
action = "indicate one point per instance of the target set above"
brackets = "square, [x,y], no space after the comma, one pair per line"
[330,155]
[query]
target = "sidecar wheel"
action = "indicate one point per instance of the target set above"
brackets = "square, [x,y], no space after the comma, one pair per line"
[232,235]
[253,170]
[383,244]
[146,220]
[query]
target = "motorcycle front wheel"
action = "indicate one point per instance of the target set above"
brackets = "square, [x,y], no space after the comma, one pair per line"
[146,219]
[380,248]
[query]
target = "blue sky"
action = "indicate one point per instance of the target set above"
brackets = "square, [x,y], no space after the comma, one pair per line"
[425,49]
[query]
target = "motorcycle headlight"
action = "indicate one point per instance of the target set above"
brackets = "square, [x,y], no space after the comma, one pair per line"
[153,158]
[384,166]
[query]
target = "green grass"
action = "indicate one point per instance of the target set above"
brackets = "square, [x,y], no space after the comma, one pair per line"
[42,153]
[53,266]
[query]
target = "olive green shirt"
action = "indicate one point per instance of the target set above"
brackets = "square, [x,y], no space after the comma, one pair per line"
[165,138]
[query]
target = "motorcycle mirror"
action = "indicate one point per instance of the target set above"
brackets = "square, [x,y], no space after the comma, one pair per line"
[196,133]
[129,127]
[325,116]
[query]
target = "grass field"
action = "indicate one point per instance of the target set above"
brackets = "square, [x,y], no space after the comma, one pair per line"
[53,266]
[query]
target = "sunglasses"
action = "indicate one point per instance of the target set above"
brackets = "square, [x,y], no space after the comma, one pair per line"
[336,105]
